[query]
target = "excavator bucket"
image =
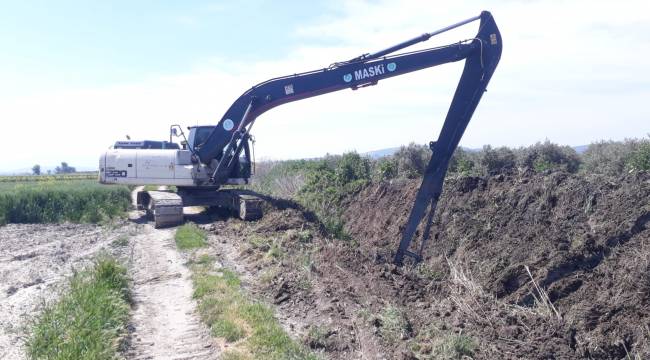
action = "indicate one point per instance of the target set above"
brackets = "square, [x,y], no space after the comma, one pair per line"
[479,67]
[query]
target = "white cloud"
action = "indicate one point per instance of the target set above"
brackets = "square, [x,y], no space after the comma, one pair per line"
[572,72]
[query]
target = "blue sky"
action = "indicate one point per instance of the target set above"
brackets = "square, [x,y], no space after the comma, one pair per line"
[82,43]
[77,75]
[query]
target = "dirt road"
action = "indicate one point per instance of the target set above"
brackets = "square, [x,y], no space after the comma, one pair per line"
[165,323]
[35,260]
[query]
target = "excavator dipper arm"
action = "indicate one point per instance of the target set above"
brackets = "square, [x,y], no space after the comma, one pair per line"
[481,56]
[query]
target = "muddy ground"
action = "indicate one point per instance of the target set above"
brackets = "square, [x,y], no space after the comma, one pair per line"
[584,240]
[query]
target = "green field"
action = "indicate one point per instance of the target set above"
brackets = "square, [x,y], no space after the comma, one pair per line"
[56,200]
[58,177]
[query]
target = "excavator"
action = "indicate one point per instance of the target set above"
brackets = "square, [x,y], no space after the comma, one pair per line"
[214,156]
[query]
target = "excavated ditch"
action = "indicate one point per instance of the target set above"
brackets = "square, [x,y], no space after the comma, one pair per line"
[522,266]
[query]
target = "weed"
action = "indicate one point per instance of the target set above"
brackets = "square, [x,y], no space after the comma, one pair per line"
[364,314]
[269,274]
[304,282]
[258,242]
[428,273]
[205,259]
[227,329]
[275,252]
[204,284]
[433,343]
[394,325]
[121,241]
[87,320]
[234,355]
[454,347]
[317,337]
[250,325]
[190,236]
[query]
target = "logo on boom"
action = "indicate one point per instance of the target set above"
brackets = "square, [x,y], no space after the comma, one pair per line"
[370,71]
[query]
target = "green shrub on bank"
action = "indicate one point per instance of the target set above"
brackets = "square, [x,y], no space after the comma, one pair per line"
[88,319]
[321,185]
[616,157]
[639,159]
[497,161]
[329,182]
[412,160]
[53,202]
[548,156]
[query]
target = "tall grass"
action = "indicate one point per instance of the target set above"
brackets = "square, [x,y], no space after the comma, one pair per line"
[87,320]
[57,201]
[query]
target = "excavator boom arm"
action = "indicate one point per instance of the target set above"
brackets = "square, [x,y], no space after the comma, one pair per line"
[481,54]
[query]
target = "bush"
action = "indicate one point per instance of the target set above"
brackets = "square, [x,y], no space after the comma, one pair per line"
[385,168]
[281,178]
[616,157]
[352,167]
[548,156]
[412,160]
[639,160]
[328,182]
[607,157]
[463,162]
[497,161]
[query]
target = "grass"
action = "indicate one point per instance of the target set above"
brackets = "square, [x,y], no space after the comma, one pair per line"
[454,347]
[434,343]
[249,326]
[394,325]
[86,322]
[92,175]
[57,201]
[190,236]
[121,241]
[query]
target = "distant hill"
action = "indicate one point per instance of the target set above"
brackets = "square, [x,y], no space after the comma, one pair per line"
[377,154]
[580,148]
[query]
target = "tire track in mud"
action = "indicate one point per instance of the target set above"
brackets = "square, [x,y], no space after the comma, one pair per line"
[164,323]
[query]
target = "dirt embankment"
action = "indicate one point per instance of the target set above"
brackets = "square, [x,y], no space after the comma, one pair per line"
[584,239]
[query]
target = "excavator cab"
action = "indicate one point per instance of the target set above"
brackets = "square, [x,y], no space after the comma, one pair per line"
[242,168]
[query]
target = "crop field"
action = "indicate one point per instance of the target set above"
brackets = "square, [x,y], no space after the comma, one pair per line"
[45,178]
[57,199]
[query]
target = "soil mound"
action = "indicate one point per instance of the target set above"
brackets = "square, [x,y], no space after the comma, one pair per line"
[527,266]
[584,239]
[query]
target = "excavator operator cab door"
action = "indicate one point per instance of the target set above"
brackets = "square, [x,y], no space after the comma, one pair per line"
[198,135]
